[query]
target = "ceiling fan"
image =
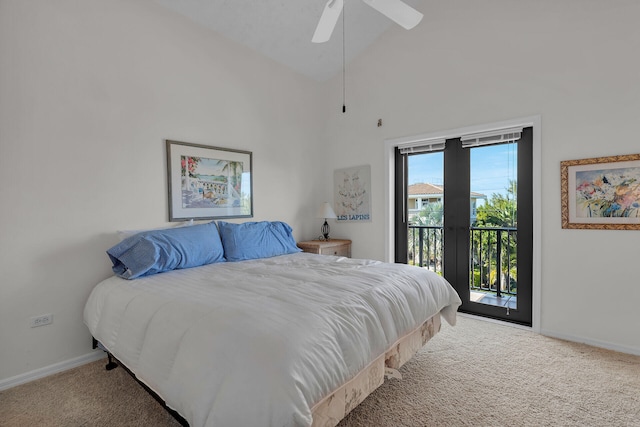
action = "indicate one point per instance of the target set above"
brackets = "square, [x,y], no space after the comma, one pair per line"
[396,10]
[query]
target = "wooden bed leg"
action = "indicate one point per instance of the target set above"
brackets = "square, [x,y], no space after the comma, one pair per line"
[112,364]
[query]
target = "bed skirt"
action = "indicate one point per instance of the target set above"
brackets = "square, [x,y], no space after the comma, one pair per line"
[333,408]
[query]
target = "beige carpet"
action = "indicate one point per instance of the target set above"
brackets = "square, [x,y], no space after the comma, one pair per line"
[476,374]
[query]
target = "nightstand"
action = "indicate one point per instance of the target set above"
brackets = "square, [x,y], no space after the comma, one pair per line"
[339,247]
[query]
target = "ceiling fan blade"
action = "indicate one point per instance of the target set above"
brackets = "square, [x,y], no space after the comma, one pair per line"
[328,21]
[398,11]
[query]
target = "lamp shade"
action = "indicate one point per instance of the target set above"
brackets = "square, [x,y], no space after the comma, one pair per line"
[326,211]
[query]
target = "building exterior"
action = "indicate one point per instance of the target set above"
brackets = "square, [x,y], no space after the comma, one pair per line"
[421,194]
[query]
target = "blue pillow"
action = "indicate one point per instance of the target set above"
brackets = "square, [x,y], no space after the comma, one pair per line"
[252,240]
[155,251]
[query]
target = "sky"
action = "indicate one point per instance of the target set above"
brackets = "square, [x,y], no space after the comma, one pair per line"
[208,166]
[491,168]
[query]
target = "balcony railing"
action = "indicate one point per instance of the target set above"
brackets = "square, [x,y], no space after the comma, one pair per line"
[492,260]
[426,246]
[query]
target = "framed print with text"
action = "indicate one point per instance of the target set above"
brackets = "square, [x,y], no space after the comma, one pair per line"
[352,193]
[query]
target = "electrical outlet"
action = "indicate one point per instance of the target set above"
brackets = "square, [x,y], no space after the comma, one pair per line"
[45,319]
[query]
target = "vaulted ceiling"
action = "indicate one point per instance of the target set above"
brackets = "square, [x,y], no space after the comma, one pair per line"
[282,29]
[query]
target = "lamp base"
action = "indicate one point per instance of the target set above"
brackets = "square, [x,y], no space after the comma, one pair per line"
[325,230]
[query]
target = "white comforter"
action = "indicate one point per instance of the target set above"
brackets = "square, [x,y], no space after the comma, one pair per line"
[258,343]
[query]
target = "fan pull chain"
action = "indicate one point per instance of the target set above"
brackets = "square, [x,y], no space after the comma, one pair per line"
[344,105]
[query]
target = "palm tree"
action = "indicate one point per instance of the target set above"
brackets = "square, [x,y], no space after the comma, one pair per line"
[431,214]
[233,171]
[501,211]
[429,220]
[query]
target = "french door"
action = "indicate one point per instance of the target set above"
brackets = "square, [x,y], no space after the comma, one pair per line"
[478,233]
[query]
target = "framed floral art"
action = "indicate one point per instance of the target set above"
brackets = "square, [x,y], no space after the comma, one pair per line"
[601,193]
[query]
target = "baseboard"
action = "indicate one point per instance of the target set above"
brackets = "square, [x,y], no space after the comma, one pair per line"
[591,342]
[98,354]
[496,321]
[561,336]
[51,369]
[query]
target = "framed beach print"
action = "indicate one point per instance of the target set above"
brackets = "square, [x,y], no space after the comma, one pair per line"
[601,193]
[208,182]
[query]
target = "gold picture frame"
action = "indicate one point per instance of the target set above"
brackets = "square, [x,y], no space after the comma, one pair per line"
[601,193]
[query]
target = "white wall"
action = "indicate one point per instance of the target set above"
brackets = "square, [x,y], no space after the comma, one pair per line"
[574,63]
[89,91]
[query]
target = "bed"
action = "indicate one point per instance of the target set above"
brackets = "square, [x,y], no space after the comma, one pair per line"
[291,339]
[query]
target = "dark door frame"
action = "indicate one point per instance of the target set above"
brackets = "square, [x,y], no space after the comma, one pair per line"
[533,121]
[456,214]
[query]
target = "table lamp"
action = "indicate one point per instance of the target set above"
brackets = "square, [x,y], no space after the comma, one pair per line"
[326,211]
